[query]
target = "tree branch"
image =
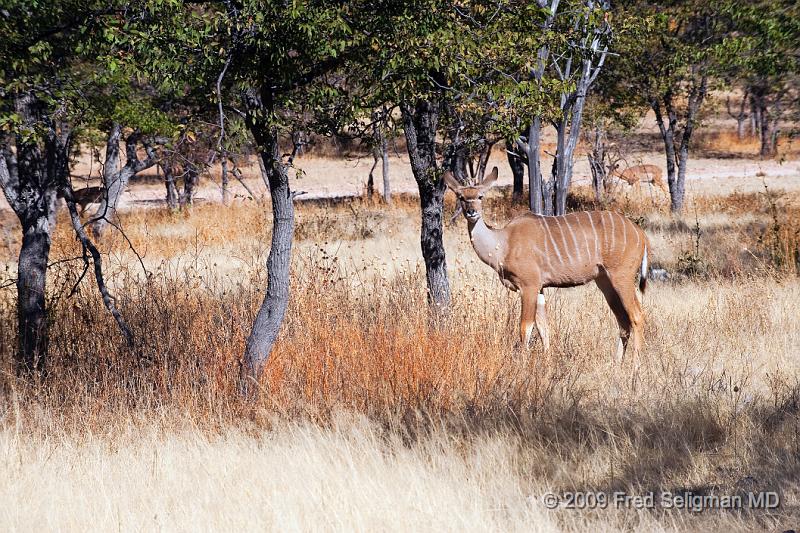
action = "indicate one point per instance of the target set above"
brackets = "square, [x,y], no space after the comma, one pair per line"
[88,246]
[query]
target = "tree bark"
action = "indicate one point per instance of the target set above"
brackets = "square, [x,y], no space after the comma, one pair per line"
[273,309]
[741,115]
[387,187]
[190,180]
[172,190]
[31,283]
[768,120]
[420,122]
[517,170]
[29,177]
[597,161]
[667,129]
[535,185]
[565,157]
[381,153]
[226,190]
[696,97]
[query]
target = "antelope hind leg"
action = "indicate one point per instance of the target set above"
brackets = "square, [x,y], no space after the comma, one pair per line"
[617,306]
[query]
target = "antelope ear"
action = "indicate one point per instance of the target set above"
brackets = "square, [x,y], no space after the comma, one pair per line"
[451,181]
[489,180]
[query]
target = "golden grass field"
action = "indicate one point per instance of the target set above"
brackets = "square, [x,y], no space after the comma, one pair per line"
[372,418]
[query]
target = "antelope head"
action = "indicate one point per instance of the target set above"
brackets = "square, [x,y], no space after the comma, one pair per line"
[470,197]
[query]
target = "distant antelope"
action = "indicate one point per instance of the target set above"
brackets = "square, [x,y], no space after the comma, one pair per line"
[533,252]
[639,174]
[86,196]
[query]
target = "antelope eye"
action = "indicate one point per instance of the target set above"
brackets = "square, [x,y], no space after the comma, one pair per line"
[480,197]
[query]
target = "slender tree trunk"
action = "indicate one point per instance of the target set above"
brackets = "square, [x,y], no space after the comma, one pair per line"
[597,160]
[172,191]
[226,190]
[696,97]
[116,179]
[371,177]
[387,188]
[112,180]
[420,124]
[190,180]
[667,130]
[273,309]
[769,126]
[517,170]
[535,185]
[741,115]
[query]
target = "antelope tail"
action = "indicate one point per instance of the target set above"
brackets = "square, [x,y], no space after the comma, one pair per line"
[643,272]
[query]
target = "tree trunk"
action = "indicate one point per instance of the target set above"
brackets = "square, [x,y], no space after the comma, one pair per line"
[568,130]
[115,179]
[696,97]
[190,179]
[597,161]
[517,170]
[111,182]
[387,188]
[31,282]
[226,190]
[273,309]
[30,177]
[741,115]
[676,187]
[420,124]
[172,190]
[769,125]
[535,185]
[371,178]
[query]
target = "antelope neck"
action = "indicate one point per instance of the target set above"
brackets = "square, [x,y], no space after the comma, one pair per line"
[486,242]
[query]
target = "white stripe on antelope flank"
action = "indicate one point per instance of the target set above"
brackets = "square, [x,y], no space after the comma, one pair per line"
[594,232]
[572,233]
[563,238]
[552,240]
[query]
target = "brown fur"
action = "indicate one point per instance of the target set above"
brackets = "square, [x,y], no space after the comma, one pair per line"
[86,196]
[533,252]
[641,174]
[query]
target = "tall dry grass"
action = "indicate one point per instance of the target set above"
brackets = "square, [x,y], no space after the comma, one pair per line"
[373,418]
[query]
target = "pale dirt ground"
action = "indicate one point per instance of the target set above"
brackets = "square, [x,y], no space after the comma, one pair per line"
[330,178]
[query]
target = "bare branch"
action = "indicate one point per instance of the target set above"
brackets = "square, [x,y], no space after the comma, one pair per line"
[88,246]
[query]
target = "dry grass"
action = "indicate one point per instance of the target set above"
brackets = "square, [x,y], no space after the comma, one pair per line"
[374,419]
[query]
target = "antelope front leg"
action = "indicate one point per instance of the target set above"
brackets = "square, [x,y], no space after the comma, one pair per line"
[527,317]
[533,313]
[541,321]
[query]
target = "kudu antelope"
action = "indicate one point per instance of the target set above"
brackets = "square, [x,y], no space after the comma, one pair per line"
[533,252]
[87,195]
[640,174]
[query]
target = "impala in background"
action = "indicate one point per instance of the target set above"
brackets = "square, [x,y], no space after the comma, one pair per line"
[640,174]
[533,252]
